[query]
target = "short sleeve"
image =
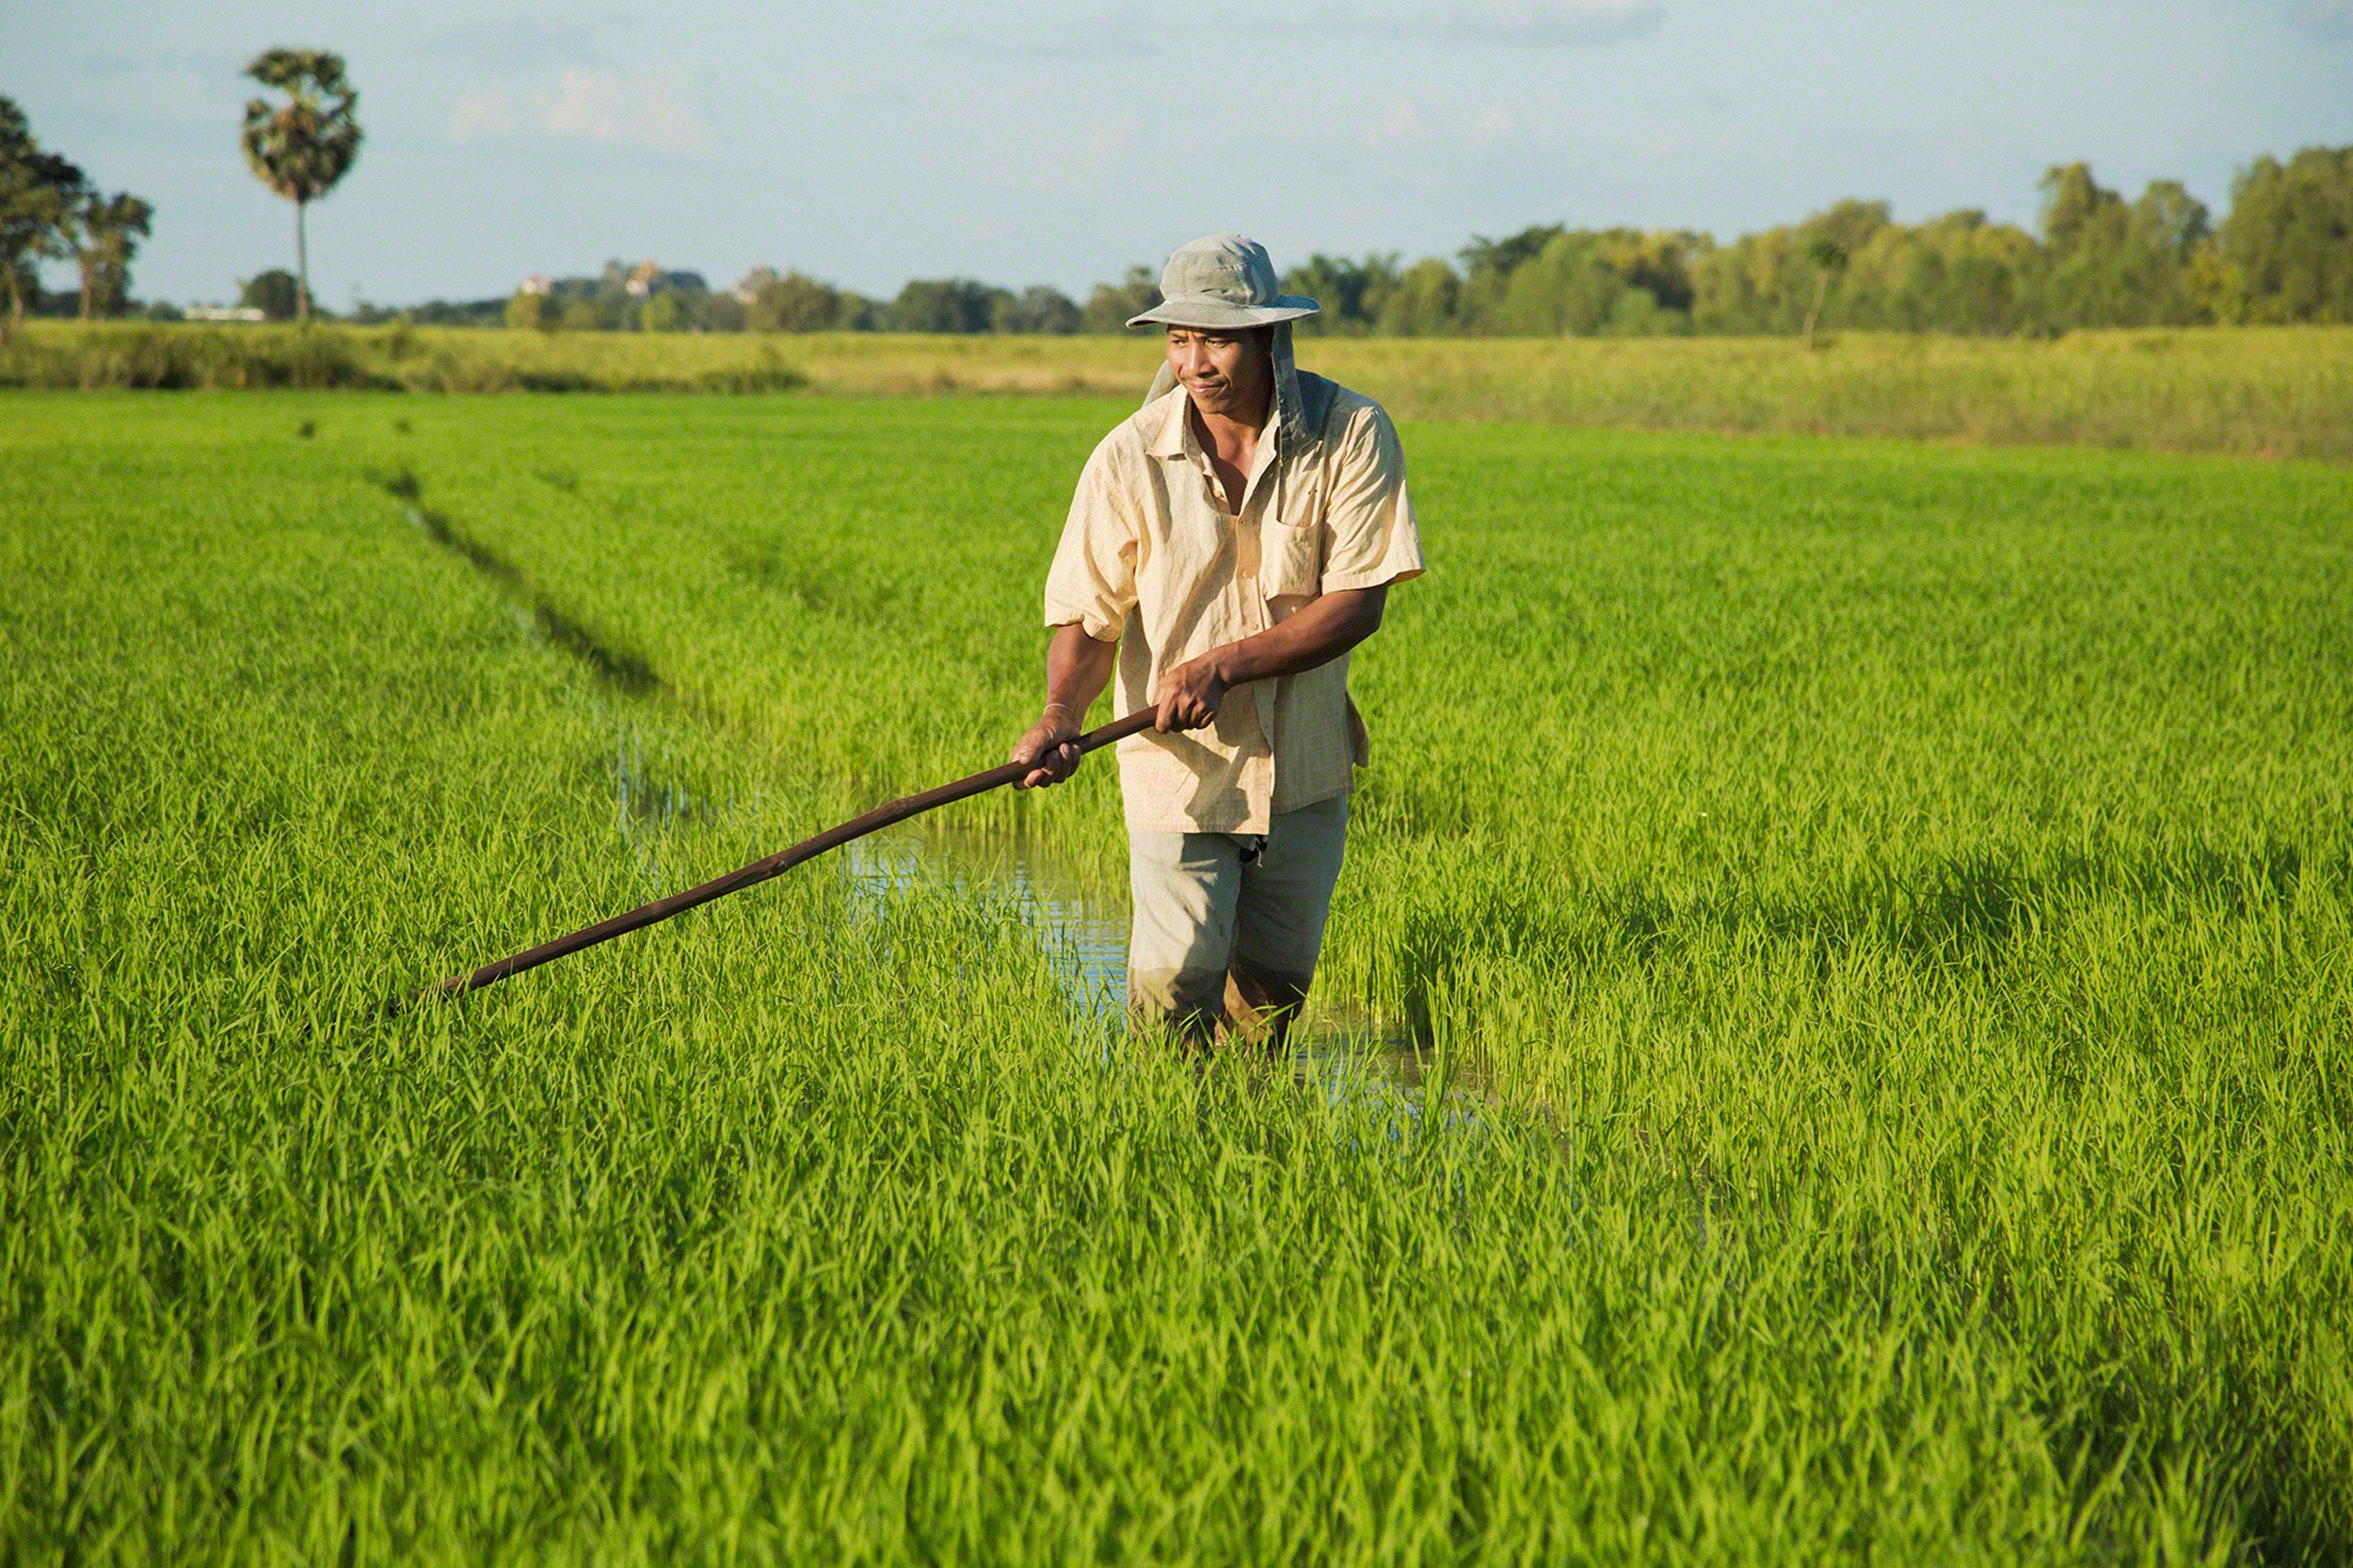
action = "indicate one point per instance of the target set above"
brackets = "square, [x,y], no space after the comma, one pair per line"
[1093,580]
[1373,537]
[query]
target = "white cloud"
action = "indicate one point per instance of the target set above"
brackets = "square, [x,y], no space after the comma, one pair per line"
[644,111]
[650,112]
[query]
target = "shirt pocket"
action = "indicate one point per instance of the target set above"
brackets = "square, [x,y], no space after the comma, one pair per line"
[1291,564]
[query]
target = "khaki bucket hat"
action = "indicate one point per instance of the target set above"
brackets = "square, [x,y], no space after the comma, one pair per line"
[1222,283]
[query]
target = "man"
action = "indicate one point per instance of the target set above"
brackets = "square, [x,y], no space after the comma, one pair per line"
[1228,546]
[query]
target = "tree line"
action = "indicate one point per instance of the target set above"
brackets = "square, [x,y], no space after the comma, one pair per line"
[2283,253]
[647,299]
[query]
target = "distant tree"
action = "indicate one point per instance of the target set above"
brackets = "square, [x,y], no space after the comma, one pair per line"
[944,305]
[527,311]
[1507,255]
[857,313]
[721,312]
[1849,224]
[105,232]
[1568,288]
[1955,273]
[2084,230]
[302,148]
[1830,259]
[1487,269]
[1111,306]
[1424,302]
[792,303]
[1587,281]
[1350,294]
[2075,207]
[663,313]
[2165,233]
[2108,262]
[582,314]
[38,193]
[274,293]
[1749,285]
[2287,243]
[1765,281]
[1659,262]
[441,313]
[1037,310]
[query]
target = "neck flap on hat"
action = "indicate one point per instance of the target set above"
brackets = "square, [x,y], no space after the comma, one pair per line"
[1293,420]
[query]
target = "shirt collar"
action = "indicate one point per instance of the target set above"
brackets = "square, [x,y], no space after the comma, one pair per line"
[1175,439]
[1175,434]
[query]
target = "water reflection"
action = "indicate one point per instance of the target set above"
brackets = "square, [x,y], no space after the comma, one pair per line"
[1084,934]
[1078,915]
[648,798]
[1081,922]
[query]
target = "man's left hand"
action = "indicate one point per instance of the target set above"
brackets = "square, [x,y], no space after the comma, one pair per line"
[1189,695]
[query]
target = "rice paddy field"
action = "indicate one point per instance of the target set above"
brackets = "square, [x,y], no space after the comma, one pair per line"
[1871,925]
[2248,392]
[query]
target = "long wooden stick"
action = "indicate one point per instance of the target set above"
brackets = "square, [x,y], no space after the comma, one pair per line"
[783,860]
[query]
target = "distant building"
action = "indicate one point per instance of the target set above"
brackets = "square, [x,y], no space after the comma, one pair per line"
[748,286]
[537,282]
[647,279]
[224,313]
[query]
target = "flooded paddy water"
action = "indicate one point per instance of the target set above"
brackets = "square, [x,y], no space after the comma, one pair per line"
[1077,917]
[1081,922]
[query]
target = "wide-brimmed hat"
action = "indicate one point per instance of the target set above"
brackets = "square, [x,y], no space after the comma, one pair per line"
[1222,283]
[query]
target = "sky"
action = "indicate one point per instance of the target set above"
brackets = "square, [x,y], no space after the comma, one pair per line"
[1061,143]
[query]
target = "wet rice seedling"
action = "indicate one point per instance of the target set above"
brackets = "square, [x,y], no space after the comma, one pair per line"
[1894,904]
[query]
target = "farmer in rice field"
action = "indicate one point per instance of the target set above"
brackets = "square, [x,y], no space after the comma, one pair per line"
[1228,544]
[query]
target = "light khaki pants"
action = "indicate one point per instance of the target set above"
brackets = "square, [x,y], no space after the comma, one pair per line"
[1227,921]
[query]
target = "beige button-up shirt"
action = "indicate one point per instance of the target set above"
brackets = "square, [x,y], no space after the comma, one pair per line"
[1151,556]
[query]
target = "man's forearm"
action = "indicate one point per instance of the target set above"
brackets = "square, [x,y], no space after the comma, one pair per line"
[1319,634]
[1077,668]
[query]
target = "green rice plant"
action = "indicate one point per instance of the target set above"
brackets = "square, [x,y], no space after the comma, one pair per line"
[2275,393]
[1894,900]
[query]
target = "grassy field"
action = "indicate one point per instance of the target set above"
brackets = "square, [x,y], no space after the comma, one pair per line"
[1896,903]
[2274,392]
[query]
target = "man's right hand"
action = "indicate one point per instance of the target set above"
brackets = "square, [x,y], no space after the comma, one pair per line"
[1049,749]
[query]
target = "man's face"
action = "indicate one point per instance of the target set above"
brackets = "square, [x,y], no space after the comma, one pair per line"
[1226,374]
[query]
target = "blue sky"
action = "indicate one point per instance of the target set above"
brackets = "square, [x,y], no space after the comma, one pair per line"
[1056,143]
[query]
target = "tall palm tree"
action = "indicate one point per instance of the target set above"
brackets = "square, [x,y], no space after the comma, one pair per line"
[300,148]
[1830,259]
[106,232]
